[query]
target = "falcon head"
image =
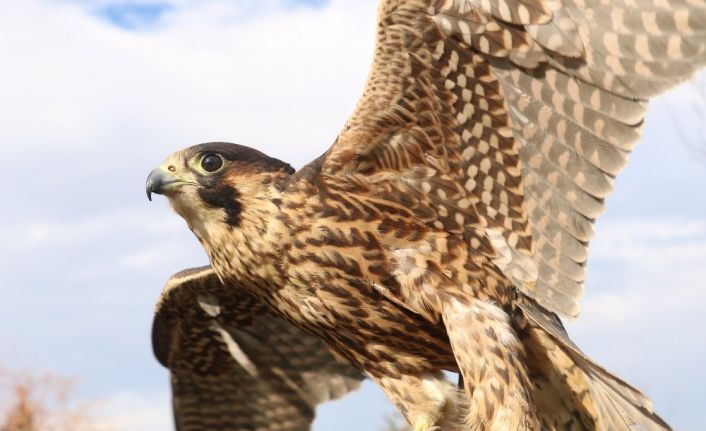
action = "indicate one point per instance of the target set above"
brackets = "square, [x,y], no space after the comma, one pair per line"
[212,183]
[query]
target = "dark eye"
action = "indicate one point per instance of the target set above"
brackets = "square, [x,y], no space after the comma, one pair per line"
[211,162]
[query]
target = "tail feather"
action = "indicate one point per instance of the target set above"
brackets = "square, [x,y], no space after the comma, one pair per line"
[620,406]
[596,399]
[562,390]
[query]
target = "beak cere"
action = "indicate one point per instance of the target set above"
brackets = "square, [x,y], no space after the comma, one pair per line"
[158,182]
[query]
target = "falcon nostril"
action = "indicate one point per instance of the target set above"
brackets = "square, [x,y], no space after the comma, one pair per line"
[172,168]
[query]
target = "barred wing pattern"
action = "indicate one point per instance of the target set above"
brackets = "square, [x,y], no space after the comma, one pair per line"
[513,118]
[235,366]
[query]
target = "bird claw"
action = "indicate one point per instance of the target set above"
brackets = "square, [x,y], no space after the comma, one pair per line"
[424,427]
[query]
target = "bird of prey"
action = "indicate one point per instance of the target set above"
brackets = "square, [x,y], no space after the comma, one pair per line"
[447,227]
[236,366]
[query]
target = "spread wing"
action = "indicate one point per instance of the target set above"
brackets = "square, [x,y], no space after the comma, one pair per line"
[235,366]
[515,117]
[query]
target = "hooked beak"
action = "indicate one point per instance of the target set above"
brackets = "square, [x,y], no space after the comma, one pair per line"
[159,181]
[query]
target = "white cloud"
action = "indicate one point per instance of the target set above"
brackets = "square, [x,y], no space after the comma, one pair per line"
[135,412]
[151,257]
[197,77]
[663,259]
[643,315]
[44,233]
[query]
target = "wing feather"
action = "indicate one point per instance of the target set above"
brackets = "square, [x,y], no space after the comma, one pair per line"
[236,366]
[516,115]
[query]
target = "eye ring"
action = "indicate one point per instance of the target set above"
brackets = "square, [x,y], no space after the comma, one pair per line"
[211,162]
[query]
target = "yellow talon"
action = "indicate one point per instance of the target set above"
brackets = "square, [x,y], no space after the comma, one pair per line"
[425,424]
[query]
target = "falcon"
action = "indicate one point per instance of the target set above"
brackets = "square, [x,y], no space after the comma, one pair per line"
[236,366]
[447,227]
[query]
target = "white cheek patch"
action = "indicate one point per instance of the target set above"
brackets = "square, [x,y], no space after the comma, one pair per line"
[199,216]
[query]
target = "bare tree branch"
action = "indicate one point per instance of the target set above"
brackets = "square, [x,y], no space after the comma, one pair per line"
[42,402]
[693,137]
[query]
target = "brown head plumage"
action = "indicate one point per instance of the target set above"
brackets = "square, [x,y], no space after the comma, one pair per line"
[207,182]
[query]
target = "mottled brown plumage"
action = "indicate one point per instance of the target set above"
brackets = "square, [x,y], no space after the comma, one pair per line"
[448,225]
[236,366]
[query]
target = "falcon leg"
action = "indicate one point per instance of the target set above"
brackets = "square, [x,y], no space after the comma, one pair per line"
[429,402]
[491,360]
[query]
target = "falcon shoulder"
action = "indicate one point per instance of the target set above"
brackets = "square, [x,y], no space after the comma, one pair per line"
[513,118]
[234,365]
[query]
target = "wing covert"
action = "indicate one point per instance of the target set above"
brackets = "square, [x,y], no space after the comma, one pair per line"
[515,116]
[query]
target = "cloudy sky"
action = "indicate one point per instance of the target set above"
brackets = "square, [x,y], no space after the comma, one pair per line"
[94,93]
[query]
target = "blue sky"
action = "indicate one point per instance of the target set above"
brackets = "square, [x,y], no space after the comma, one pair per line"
[133,16]
[96,93]
[146,15]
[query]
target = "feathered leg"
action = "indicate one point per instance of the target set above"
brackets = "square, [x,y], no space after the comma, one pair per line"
[427,401]
[491,359]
